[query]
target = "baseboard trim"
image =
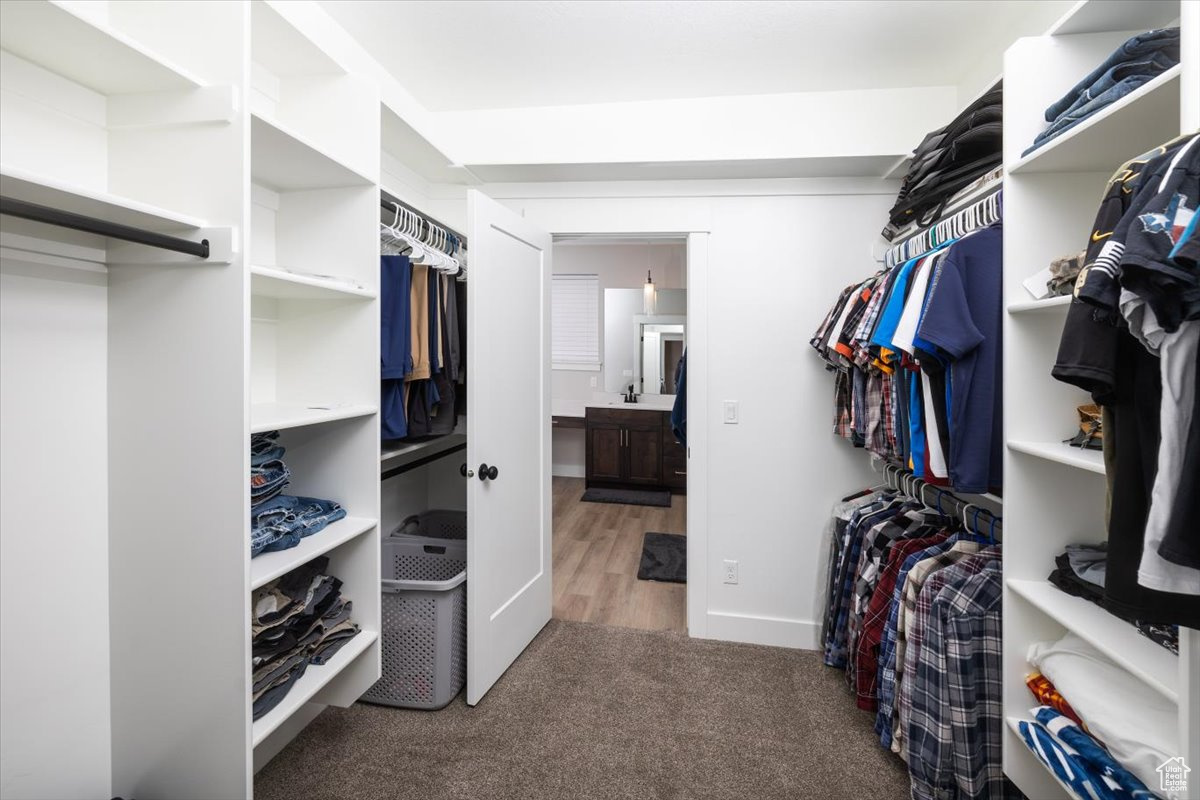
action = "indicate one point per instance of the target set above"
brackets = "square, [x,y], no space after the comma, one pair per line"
[568,471]
[773,631]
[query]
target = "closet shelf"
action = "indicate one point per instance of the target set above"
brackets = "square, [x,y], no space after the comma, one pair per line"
[45,191]
[279,283]
[1155,666]
[1049,304]
[280,416]
[1013,725]
[315,679]
[266,567]
[1129,127]
[408,453]
[87,52]
[1105,16]
[283,160]
[1091,460]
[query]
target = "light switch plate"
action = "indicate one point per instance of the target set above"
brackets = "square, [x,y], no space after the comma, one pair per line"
[731,412]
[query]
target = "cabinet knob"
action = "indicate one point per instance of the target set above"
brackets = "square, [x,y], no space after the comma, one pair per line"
[487,473]
[466,473]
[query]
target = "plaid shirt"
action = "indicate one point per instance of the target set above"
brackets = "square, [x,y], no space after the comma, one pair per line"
[841,403]
[820,339]
[956,573]
[863,520]
[912,590]
[887,647]
[874,545]
[875,620]
[956,728]
[860,339]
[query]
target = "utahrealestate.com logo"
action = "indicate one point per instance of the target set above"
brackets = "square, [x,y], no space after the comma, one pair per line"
[1172,775]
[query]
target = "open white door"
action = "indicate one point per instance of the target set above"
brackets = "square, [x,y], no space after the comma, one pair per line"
[509,594]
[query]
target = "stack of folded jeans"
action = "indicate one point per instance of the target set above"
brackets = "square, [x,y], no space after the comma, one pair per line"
[296,620]
[268,473]
[1136,62]
[279,521]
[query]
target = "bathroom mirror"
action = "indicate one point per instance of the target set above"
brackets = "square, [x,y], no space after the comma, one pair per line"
[661,342]
[625,354]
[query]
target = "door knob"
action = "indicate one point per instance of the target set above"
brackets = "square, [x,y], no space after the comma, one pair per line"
[466,473]
[487,473]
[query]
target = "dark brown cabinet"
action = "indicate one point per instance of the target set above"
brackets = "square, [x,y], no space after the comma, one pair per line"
[633,448]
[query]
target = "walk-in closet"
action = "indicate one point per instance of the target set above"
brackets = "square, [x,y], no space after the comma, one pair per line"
[525,399]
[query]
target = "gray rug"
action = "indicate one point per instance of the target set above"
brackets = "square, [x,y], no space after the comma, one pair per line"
[664,558]
[597,713]
[629,497]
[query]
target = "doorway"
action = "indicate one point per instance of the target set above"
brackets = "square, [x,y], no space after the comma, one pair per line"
[620,471]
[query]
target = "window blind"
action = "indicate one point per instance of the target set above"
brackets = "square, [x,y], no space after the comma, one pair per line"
[575,321]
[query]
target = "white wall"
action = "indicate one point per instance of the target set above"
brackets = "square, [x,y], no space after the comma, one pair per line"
[779,253]
[54,662]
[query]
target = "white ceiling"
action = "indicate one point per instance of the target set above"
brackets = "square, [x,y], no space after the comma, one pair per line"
[478,54]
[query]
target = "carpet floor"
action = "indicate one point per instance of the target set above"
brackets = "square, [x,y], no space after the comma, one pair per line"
[591,712]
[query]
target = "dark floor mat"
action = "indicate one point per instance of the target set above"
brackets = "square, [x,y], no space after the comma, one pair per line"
[664,558]
[629,497]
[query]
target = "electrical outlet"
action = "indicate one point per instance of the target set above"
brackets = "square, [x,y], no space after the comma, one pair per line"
[593,381]
[731,570]
[731,412]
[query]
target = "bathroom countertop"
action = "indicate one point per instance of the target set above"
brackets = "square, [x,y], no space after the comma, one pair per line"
[563,407]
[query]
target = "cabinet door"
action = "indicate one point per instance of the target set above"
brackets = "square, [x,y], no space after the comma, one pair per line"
[508,427]
[644,452]
[605,452]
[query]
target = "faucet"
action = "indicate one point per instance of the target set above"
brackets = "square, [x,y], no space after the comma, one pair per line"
[630,397]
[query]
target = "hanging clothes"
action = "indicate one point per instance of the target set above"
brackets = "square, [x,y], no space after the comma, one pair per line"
[1131,338]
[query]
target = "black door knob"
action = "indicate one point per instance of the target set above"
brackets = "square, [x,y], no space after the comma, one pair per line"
[487,473]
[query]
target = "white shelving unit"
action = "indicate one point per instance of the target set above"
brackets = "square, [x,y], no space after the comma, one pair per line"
[174,115]
[1054,493]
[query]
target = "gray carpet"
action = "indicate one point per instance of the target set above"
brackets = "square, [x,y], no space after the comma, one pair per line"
[595,713]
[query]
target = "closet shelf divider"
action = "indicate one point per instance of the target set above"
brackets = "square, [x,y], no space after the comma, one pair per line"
[1143,119]
[1045,304]
[280,416]
[86,51]
[314,680]
[1153,664]
[408,452]
[285,160]
[285,285]
[266,567]
[1090,460]
[42,190]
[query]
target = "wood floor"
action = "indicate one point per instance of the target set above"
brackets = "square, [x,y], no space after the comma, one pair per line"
[597,549]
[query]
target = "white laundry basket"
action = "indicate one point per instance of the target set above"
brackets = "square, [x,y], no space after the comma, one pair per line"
[424,612]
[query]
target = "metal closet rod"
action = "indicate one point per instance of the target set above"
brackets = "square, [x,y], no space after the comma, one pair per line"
[905,481]
[388,202]
[65,219]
